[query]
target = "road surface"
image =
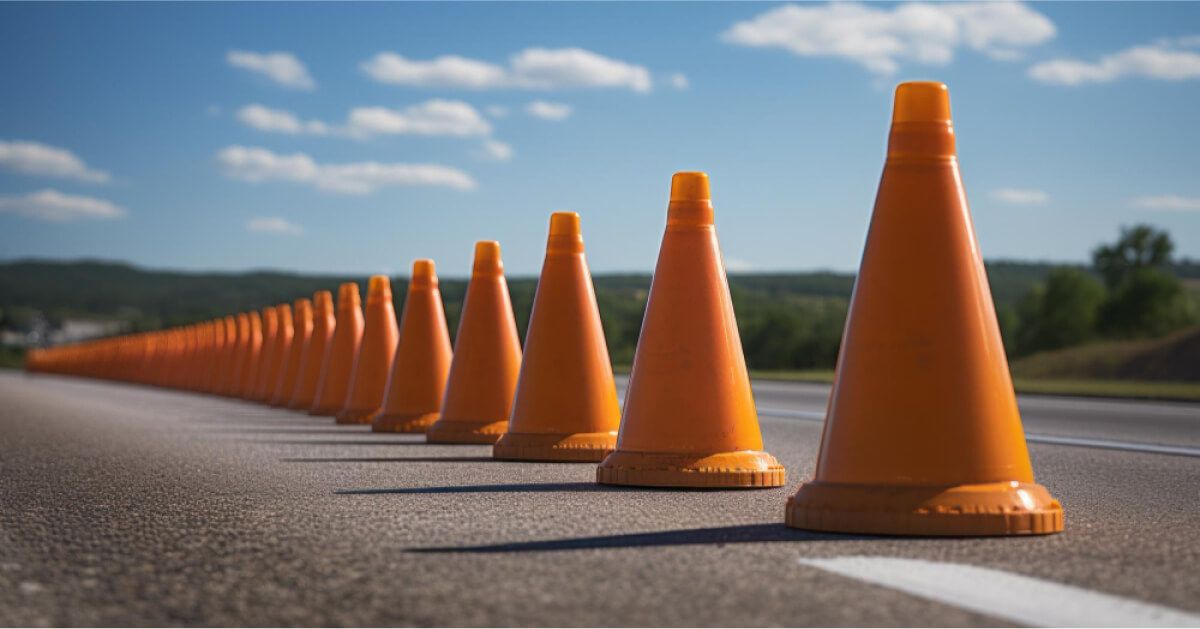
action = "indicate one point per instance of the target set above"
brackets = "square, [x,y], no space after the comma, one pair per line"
[127,505]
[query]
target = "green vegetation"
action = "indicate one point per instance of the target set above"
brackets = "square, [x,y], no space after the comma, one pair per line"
[790,323]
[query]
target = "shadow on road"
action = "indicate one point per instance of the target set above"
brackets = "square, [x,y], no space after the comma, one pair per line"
[486,489]
[286,430]
[348,442]
[718,536]
[395,459]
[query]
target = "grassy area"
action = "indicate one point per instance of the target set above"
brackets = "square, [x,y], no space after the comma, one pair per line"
[1133,389]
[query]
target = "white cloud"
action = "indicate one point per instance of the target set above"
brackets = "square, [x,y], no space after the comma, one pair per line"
[279,121]
[54,206]
[274,225]
[548,111]
[738,265]
[281,67]
[35,158]
[1167,203]
[1021,196]
[880,39]
[495,151]
[679,81]
[434,117]
[532,68]
[497,111]
[1158,61]
[255,164]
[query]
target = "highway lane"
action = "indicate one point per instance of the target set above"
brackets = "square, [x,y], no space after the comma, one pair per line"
[128,505]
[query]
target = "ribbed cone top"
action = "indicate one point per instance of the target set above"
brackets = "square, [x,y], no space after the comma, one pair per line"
[423,273]
[691,202]
[921,123]
[566,235]
[487,258]
[379,289]
[348,295]
[323,301]
[922,101]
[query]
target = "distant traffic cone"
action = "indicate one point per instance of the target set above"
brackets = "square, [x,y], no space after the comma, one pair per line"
[314,352]
[252,356]
[923,435]
[268,356]
[413,400]
[369,377]
[689,417]
[338,363]
[566,402]
[289,372]
[487,358]
[231,383]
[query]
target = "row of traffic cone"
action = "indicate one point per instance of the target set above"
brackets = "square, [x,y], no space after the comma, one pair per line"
[922,437]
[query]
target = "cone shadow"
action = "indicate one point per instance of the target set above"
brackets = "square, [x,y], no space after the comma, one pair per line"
[348,442]
[394,459]
[718,536]
[486,489]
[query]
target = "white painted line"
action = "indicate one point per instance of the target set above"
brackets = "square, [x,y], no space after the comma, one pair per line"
[1083,442]
[1020,599]
[1106,444]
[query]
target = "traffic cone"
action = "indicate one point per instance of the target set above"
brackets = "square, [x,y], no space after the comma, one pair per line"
[302,322]
[422,361]
[314,352]
[252,356]
[923,435]
[369,377]
[270,332]
[689,415]
[231,382]
[487,358]
[334,380]
[566,403]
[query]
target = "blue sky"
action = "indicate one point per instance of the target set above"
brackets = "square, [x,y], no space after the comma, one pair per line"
[355,138]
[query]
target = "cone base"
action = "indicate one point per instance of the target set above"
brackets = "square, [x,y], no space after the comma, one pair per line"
[584,447]
[465,431]
[743,469]
[323,412]
[409,422]
[355,416]
[1007,508]
[299,406]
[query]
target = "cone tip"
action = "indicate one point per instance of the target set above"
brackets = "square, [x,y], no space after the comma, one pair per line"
[323,299]
[690,186]
[378,284]
[565,224]
[487,251]
[423,269]
[922,101]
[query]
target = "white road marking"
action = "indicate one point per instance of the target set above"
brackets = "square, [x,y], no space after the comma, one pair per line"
[1083,442]
[1020,599]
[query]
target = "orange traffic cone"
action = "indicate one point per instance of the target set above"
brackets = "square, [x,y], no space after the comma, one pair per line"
[566,403]
[314,352]
[338,363]
[369,377]
[689,414]
[923,436]
[487,358]
[418,380]
[302,322]
[231,384]
[252,356]
[270,332]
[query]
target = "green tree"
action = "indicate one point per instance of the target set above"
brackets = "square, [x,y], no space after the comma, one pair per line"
[1144,297]
[1060,313]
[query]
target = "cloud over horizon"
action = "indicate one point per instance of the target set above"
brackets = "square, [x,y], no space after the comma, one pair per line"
[281,68]
[257,165]
[34,158]
[532,68]
[56,207]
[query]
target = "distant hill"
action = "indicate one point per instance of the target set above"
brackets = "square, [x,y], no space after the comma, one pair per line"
[787,320]
[1173,358]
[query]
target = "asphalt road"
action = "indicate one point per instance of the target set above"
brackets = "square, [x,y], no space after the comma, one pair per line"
[125,505]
